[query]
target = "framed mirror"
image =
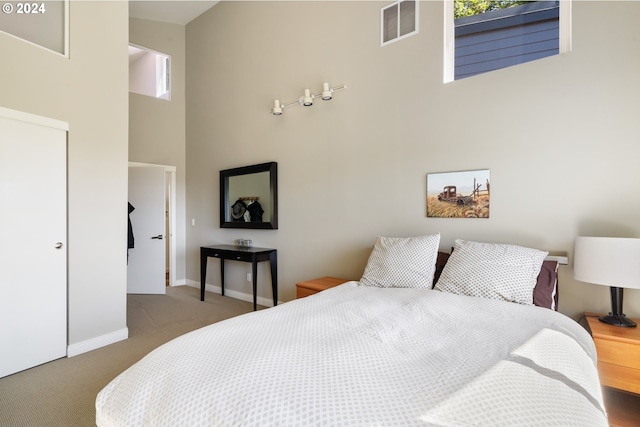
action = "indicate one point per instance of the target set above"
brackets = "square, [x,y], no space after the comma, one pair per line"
[249,196]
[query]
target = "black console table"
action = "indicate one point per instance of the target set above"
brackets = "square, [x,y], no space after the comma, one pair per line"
[235,253]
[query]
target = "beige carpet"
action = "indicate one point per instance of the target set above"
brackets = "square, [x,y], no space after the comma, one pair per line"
[63,392]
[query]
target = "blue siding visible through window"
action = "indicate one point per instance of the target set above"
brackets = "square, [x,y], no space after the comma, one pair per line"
[507,37]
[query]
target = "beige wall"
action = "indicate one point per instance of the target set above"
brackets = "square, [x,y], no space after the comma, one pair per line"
[89,91]
[560,136]
[157,126]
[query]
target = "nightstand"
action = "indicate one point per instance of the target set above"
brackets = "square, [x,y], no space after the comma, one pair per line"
[618,353]
[618,367]
[310,287]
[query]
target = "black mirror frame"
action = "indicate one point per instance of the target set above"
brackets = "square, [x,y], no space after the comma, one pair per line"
[225,203]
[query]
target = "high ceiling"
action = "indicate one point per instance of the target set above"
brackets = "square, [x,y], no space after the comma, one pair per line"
[175,12]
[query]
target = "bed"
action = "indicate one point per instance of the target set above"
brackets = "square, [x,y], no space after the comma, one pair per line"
[389,349]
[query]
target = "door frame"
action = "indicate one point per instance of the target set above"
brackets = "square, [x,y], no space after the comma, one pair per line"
[171,181]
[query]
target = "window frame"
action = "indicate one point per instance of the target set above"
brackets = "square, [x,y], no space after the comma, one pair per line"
[163,76]
[399,15]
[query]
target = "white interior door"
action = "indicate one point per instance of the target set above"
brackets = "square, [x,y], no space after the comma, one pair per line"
[146,270]
[33,236]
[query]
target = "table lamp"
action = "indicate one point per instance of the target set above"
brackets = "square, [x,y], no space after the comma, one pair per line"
[609,261]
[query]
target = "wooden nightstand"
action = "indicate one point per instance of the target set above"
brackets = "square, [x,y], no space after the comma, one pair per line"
[618,367]
[618,353]
[310,287]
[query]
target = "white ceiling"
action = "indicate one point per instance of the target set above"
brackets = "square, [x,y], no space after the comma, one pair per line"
[172,11]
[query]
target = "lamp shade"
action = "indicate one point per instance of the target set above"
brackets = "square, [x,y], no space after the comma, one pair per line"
[608,261]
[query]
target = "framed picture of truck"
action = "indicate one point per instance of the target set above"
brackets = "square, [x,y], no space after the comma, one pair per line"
[458,194]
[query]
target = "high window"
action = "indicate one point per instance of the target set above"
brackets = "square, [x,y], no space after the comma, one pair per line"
[398,21]
[149,72]
[44,23]
[478,42]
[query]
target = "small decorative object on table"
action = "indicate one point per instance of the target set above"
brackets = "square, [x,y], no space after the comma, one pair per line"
[242,243]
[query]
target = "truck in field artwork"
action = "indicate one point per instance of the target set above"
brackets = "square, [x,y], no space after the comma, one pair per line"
[458,194]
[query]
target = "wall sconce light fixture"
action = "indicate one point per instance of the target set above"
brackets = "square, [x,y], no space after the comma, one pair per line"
[307,99]
[326,92]
[277,109]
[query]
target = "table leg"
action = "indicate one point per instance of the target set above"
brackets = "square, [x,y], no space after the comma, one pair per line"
[222,275]
[273,261]
[254,276]
[203,273]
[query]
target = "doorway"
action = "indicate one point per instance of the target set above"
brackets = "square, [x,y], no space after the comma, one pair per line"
[152,259]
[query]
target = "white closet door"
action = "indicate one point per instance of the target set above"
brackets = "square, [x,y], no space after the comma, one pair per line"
[146,270]
[33,237]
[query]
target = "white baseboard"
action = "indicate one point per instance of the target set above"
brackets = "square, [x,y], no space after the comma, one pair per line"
[179,282]
[97,342]
[267,302]
[123,334]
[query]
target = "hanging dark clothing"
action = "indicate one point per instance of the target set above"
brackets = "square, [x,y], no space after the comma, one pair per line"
[255,211]
[130,239]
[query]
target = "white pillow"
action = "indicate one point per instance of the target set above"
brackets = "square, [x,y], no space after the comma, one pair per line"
[489,270]
[398,262]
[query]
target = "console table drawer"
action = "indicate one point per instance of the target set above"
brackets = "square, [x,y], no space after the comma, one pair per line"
[238,256]
[241,257]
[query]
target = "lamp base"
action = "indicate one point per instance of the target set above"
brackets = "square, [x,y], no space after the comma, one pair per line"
[618,320]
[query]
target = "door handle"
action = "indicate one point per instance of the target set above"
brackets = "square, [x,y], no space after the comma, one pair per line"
[58,245]
[159,237]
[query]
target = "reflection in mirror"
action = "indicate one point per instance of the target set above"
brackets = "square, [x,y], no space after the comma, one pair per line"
[248,197]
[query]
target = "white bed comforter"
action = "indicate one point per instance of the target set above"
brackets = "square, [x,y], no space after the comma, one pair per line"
[362,356]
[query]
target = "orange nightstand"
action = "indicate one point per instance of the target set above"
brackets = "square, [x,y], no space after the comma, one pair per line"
[619,369]
[618,353]
[310,287]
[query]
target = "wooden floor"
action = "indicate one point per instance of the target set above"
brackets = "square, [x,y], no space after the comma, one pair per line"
[623,408]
